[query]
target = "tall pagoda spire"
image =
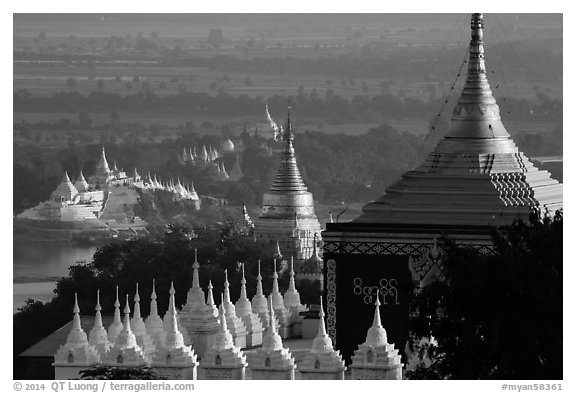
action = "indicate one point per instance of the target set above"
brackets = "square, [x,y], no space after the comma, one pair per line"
[288,177]
[476,115]
[476,175]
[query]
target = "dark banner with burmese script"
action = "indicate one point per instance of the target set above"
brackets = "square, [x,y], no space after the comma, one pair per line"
[352,282]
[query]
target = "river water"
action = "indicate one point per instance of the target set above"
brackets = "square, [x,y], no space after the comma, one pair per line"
[38,265]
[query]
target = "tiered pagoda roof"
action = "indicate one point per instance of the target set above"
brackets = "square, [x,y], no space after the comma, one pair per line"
[476,175]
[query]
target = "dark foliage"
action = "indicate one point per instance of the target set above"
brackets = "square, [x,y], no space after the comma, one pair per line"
[497,317]
[120,374]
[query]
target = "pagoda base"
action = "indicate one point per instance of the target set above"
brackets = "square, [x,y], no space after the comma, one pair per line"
[322,375]
[363,372]
[177,372]
[224,373]
[272,374]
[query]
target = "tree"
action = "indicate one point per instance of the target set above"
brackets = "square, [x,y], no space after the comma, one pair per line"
[119,373]
[497,317]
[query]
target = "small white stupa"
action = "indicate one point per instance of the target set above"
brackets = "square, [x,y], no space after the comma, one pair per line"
[198,319]
[139,328]
[292,303]
[375,358]
[154,325]
[322,362]
[116,326]
[272,360]
[235,324]
[77,353]
[280,310]
[260,304]
[175,360]
[251,320]
[223,360]
[167,320]
[125,352]
[98,336]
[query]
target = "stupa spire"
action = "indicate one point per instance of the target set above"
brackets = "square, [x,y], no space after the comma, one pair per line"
[288,177]
[292,282]
[223,323]
[98,308]
[321,326]
[195,275]
[172,302]
[259,291]
[116,325]
[275,288]
[226,294]
[137,304]
[153,302]
[172,310]
[76,324]
[210,301]
[376,334]
[127,315]
[243,294]
[476,115]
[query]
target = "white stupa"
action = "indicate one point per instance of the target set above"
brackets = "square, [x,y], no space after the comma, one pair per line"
[293,304]
[167,320]
[322,362]
[125,352]
[235,324]
[98,336]
[251,320]
[376,358]
[272,360]
[198,319]
[175,360]
[154,325]
[116,326]
[224,360]
[283,314]
[77,353]
[260,303]
[139,328]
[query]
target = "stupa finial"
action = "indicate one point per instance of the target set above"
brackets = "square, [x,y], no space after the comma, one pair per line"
[127,314]
[226,293]
[153,303]
[259,290]
[195,275]
[377,322]
[76,325]
[210,301]
[243,294]
[292,282]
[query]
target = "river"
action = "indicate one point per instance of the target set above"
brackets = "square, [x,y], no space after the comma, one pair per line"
[38,265]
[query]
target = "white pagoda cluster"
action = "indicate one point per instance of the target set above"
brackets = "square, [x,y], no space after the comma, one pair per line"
[204,341]
[179,190]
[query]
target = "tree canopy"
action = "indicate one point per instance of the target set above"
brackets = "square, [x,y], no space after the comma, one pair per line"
[500,316]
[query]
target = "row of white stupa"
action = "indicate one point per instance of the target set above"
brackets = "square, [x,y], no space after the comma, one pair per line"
[152,183]
[217,338]
[206,155]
